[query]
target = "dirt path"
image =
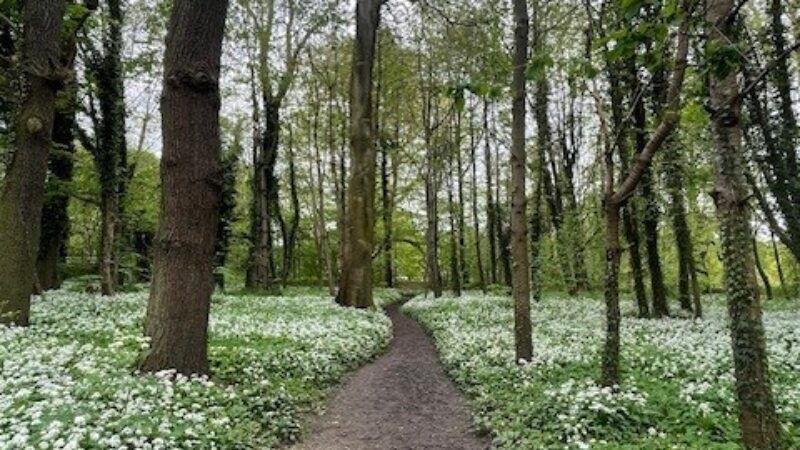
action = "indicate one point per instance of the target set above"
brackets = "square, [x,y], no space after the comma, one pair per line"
[403,400]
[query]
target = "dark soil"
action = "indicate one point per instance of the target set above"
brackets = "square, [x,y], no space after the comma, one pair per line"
[403,400]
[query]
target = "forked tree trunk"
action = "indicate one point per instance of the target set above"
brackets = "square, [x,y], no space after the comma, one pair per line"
[180,296]
[757,417]
[22,193]
[615,198]
[519,218]
[355,288]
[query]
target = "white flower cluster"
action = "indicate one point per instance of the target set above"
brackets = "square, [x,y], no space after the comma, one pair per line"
[678,384]
[68,381]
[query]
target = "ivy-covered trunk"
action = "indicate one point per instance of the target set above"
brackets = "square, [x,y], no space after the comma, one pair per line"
[757,416]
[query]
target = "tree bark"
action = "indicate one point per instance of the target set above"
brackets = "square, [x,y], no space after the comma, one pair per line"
[519,223]
[757,417]
[22,194]
[180,296]
[355,288]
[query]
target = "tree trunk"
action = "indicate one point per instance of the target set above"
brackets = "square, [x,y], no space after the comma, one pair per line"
[490,209]
[761,273]
[519,222]
[108,228]
[628,213]
[355,289]
[22,193]
[111,151]
[687,273]
[180,296]
[290,240]
[455,264]
[651,213]
[462,233]
[757,417]
[55,220]
[474,197]
[776,254]
[386,216]
[611,363]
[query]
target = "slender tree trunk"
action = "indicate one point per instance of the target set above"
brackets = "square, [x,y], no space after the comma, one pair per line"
[757,417]
[111,152]
[108,228]
[22,194]
[776,254]
[611,363]
[687,273]
[180,296]
[761,273]
[628,214]
[386,216]
[490,205]
[651,213]
[476,226]
[355,289]
[462,233]
[455,264]
[519,223]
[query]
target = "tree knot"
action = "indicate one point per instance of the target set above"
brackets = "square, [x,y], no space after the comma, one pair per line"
[199,81]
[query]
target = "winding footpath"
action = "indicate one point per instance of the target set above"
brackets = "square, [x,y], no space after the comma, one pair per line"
[403,400]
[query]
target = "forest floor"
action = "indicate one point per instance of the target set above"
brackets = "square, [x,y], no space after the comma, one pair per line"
[403,400]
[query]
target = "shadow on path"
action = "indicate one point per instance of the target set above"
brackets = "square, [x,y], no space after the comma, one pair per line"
[403,400]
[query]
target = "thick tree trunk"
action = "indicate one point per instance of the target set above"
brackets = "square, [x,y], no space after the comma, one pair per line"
[519,222]
[355,289]
[757,417]
[22,193]
[180,296]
